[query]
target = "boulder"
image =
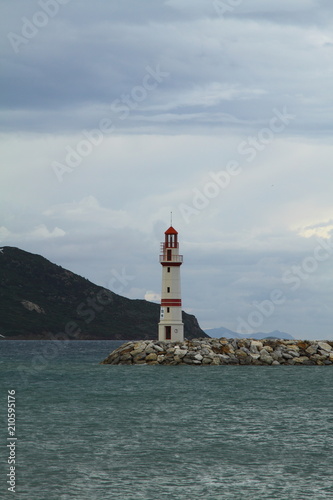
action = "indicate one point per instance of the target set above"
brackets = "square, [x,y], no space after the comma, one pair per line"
[301,359]
[324,346]
[181,352]
[240,353]
[312,349]
[257,344]
[151,357]
[293,347]
[265,357]
[254,356]
[276,355]
[139,356]
[137,351]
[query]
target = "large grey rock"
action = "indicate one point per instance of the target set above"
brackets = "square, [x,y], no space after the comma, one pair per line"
[256,345]
[240,353]
[301,359]
[151,356]
[150,350]
[188,360]
[324,346]
[126,356]
[265,357]
[293,353]
[312,349]
[137,351]
[277,355]
[139,356]
[180,352]
[224,357]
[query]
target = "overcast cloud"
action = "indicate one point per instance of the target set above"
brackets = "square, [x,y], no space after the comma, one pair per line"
[114,113]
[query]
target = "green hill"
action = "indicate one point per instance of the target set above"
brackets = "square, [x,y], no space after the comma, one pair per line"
[39,300]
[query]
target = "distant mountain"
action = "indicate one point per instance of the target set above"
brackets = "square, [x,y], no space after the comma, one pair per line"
[276,334]
[40,300]
[224,332]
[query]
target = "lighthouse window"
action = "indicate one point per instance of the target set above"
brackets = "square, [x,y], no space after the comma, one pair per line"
[168,289]
[168,269]
[168,309]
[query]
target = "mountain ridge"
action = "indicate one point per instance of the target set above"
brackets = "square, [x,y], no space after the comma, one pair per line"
[225,332]
[41,300]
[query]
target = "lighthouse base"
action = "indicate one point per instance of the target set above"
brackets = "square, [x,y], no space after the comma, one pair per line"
[172,332]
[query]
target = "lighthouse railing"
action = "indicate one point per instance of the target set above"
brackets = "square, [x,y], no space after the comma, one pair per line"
[173,258]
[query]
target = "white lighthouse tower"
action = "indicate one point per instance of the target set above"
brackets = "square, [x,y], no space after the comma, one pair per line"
[171,326]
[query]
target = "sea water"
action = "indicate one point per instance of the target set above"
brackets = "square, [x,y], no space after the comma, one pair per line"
[97,432]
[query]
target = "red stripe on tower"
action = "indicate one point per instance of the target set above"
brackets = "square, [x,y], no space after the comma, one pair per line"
[171,302]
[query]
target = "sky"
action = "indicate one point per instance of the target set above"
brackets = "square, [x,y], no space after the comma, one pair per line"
[116,113]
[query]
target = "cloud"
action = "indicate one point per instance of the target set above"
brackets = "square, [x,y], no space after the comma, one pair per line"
[38,233]
[321,230]
[41,232]
[152,296]
[220,80]
[209,67]
[88,211]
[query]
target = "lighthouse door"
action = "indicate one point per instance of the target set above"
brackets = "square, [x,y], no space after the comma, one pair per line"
[168,333]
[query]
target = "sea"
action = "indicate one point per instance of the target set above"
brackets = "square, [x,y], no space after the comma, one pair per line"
[89,431]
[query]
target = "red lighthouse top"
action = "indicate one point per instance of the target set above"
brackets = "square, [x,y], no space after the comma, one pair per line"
[169,248]
[171,230]
[171,238]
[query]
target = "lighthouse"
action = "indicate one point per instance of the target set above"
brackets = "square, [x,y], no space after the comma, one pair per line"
[171,326]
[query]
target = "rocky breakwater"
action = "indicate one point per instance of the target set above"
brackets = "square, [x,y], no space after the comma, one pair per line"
[210,351]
